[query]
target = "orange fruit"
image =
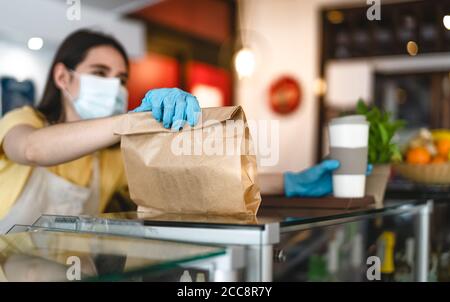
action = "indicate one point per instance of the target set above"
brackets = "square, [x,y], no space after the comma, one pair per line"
[443,147]
[439,159]
[418,155]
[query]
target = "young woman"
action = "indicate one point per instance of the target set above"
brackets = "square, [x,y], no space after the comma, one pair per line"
[54,159]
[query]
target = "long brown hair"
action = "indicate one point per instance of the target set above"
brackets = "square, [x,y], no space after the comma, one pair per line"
[72,52]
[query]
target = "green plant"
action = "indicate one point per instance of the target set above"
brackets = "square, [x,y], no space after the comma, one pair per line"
[381,131]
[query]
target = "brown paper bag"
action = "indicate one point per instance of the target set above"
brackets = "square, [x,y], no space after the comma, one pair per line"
[207,169]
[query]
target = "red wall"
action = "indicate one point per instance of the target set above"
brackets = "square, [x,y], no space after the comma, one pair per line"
[200,73]
[152,71]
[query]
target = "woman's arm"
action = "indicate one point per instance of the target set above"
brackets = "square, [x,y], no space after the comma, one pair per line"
[315,181]
[271,183]
[64,142]
[59,143]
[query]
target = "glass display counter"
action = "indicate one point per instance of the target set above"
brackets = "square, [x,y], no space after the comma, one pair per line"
[255,236]
[388,244]
[281,238]
[42,255]
[398,188]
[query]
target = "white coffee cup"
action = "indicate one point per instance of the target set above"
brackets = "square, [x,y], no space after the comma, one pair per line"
[349,137]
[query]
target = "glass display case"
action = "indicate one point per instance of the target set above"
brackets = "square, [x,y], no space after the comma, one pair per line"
[41,255]
[399,188]
[343,251]
[288,242]
[254,236]
[353,245]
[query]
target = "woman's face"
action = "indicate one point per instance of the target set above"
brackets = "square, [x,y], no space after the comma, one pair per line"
[103,61]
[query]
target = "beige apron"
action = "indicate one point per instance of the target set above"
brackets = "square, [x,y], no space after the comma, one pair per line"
[47,193]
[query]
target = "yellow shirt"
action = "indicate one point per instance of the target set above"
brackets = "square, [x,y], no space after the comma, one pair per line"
[13,176]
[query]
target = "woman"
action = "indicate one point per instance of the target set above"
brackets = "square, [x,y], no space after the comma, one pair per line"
[54,159]
[47,160]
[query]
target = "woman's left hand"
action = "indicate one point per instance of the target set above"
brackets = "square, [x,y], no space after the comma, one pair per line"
[171,106]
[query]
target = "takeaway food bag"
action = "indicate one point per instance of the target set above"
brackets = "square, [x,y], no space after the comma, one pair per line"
[206,169]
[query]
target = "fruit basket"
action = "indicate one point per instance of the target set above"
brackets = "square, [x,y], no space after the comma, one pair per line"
[438,173]
[427,158]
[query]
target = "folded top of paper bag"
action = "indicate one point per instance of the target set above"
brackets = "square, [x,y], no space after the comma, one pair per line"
[143,122]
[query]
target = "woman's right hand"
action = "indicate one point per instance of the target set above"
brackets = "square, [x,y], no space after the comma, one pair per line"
[171,106]
[315,181]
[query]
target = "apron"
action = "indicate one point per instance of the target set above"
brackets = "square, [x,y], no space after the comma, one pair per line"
[48,193]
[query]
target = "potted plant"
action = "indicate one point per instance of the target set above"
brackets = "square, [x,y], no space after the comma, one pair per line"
[382,151]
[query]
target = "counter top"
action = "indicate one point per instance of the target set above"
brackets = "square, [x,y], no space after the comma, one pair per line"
[283,212]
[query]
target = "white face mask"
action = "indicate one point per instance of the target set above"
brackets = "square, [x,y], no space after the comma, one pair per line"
[100,97]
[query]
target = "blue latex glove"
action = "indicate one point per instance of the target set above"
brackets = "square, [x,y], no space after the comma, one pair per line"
[171,106]
[313,182]
[369,169]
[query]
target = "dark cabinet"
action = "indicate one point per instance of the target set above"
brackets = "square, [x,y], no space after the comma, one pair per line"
[348,33]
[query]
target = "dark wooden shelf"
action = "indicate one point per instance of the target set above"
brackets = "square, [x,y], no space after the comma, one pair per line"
[355,36]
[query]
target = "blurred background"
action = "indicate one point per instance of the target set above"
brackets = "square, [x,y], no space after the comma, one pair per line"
[301,62]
